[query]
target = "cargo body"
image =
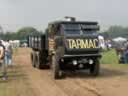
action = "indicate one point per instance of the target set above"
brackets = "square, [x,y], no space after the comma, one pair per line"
[67,45]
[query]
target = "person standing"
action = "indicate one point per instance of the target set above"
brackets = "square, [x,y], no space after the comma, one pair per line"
[8,53]
[126,53]
[4,66]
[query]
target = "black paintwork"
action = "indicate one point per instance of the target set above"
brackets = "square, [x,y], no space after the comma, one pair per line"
[40,42]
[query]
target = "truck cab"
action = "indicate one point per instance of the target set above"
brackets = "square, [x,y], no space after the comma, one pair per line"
[73,45]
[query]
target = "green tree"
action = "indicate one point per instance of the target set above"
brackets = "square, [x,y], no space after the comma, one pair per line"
[116,31]
[21,34]
[25,31]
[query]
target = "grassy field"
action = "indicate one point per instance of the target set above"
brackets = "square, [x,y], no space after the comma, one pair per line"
[109,57]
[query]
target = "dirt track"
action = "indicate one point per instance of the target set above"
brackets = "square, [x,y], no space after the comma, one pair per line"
[111,82]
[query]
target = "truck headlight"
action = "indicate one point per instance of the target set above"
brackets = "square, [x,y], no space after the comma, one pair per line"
[91,61]
[74,62]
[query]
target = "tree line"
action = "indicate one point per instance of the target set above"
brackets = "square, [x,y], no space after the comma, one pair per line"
[21,34]
[116,31]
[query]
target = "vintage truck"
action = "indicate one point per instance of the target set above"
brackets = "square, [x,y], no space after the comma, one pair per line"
[67,45]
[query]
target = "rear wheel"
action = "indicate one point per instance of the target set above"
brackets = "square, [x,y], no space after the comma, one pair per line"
[95,68]
[56,72]
[33,59]
[38,63]
[43,60]
[31,56]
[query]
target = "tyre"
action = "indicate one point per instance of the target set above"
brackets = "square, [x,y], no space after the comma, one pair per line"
[38,63]
[43,60]
[95,68]
[56,72]
[33,59]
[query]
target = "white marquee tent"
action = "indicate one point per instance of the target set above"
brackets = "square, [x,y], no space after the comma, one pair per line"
[119,39]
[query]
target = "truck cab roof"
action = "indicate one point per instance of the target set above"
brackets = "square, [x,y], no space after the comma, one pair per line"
[74,22]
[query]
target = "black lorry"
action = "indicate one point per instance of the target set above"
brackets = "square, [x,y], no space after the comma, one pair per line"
[67,45]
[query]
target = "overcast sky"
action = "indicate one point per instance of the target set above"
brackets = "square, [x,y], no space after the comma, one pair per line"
[15,14]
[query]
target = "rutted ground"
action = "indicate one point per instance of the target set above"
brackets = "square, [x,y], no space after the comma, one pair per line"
[113,81]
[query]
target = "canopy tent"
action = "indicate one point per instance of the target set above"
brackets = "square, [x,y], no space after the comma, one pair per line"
[119,39]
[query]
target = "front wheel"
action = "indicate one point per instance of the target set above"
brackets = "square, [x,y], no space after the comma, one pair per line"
[95,68]
[56,72]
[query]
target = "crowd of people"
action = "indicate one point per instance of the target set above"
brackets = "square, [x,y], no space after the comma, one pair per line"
[5,57]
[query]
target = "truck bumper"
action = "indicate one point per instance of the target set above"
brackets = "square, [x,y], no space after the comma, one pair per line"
[83,55]
[83,61]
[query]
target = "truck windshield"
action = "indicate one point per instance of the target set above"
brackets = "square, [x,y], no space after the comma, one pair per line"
[85,32]
[78,29]
[71,26]
[80,32]
[72,32]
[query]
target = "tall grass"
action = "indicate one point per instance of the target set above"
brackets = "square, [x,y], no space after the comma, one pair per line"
[109,57]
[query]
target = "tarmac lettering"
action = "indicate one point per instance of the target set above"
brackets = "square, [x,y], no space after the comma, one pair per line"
[82,43]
